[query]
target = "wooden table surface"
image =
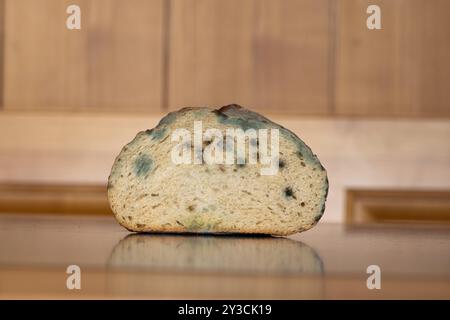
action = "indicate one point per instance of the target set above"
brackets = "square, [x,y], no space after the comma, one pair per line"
[326,262]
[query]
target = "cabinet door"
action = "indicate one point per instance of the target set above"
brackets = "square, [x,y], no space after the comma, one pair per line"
[113,63]
[267,55]
[402,69]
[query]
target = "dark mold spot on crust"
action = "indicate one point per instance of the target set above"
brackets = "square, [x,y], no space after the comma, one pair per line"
[236,116]
[191,207]
[156,133]
[230,107]
[236,111]
[240,162]
[169,118]
[142,165]
[180,223]
[322,210]
[220,114]
[327,187]
[317,218]
[302,204]
[199,155]
[159,133]
[289,193]
[281,164]
[303,164]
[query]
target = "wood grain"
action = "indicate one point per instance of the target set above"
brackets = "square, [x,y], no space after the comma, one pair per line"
[113,63]
[2,49]
[263,54]
[27,283]
[397,206]
[59,199]
[401,70]
[70,148]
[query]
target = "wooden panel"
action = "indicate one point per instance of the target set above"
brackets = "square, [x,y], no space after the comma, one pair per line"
[2,48]
[403,69]
[60,199]
[263,54]
[112,63]
[53,148]
[398,206]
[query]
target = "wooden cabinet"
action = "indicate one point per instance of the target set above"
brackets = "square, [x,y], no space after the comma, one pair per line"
[113,63]
[402,69]
[297,57]
[268,55]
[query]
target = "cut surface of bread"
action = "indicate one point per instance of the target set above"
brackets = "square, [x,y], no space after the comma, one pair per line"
[150,192]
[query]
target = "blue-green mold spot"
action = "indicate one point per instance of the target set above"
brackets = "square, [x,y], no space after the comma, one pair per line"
[157,133]
[327,185]
[303,151]
[236,116]
[242,123]
[142,165]
[170,118]
[322,210]
[195,223]
[201,112]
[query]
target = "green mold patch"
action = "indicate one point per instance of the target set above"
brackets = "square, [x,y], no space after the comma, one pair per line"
[303,151]
[198,224]
[142,165]
[242,123]
[201,112]
[157,133]
[169,119]
[195,223]
[236,116]
[317,218]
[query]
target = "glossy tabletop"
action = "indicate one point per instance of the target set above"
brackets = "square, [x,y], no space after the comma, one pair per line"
[329,261]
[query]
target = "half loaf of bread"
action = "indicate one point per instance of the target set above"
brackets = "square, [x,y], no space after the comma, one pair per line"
[149,191]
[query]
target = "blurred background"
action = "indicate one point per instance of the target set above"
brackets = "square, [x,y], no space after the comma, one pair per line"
[374,105]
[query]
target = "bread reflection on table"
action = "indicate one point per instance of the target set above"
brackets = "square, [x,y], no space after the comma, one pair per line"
[229,254]
[214,266]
